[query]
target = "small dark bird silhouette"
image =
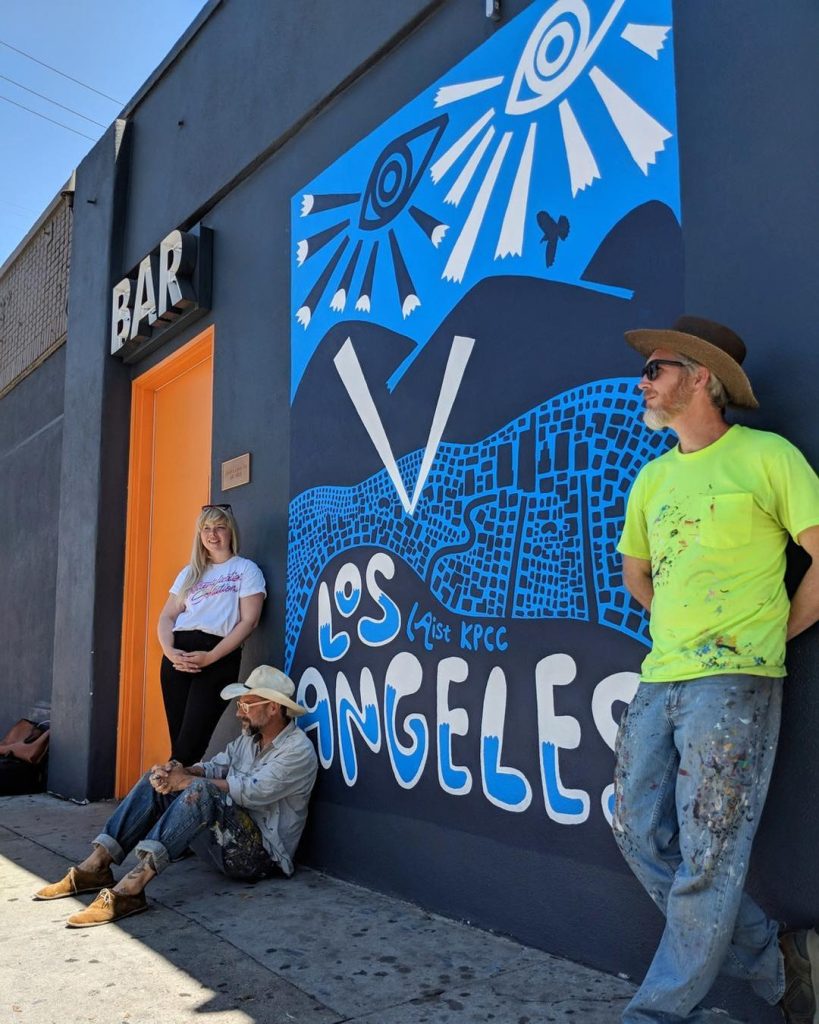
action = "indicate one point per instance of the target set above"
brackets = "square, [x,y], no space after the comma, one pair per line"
[553,231]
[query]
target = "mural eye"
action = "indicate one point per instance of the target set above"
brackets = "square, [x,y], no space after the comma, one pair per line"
[556,52]
[397,172]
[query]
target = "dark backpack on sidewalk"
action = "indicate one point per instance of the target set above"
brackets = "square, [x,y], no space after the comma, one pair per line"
[24,758]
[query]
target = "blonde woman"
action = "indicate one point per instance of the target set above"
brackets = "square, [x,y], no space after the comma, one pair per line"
[213,607]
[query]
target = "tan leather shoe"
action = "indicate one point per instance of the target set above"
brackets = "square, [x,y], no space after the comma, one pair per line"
[74,883]
[109,906]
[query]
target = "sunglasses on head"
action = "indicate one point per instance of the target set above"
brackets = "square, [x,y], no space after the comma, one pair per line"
[221,508]
[651,371]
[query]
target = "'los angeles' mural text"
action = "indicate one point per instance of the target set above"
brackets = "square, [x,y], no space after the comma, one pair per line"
[359,605]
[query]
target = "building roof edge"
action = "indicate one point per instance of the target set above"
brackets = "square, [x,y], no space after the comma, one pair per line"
[61,197]
[171,57]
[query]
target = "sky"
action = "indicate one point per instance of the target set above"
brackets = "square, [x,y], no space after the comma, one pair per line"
[111,46]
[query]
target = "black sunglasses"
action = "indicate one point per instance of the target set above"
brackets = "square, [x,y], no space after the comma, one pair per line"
[651,371]
[229,508]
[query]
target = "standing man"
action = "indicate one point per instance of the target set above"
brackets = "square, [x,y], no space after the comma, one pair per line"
[704,553]
[244,810]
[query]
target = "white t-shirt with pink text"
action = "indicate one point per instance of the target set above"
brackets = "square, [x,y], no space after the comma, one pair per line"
[212,604]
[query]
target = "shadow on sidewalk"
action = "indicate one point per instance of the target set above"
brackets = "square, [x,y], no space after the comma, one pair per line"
[310,949]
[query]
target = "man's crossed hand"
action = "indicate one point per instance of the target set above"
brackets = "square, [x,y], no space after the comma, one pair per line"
[170,777]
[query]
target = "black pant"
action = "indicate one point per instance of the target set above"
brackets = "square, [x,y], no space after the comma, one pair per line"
[192,702]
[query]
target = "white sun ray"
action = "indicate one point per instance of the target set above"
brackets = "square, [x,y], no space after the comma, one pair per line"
[510,240]
[446,160]
[462,250]
[648,38]
[411,302]
[339,301]
[438,233]
[453,93]
[643,136]
[583,167]
[456,193]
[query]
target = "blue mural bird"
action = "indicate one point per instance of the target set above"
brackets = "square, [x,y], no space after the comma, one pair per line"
[554,231]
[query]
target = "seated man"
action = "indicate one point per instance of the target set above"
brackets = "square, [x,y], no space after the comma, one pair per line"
[244,810]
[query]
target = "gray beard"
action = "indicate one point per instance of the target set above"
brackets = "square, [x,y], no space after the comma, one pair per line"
[655,419]
[677,402]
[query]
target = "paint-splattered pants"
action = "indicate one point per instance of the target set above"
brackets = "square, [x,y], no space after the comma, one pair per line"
[162,827]
[694,760]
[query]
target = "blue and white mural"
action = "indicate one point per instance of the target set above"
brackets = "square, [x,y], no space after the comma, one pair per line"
[519,161]
[465,426]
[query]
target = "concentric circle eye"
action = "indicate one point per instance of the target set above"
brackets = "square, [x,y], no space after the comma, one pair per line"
[555,49]
[392,180]
[555,53]
[396,174]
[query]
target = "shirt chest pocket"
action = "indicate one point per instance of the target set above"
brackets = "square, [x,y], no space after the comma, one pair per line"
[726,520]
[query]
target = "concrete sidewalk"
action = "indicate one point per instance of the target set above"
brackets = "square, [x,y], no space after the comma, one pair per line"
[311,950]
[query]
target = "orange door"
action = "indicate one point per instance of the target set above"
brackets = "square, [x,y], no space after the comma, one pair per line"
[168,482]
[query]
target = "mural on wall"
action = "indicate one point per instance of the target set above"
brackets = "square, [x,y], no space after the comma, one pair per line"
[465,422]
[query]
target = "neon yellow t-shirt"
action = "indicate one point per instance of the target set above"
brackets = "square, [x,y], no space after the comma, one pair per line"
[714,524]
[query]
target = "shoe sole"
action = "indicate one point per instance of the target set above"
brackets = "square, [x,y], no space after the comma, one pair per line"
[113,920]
[77,892]
[812,944]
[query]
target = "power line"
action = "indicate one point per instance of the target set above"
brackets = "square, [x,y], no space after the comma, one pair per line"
[49,100]
[17,213]
[58,72]
[17,206]
[59,124]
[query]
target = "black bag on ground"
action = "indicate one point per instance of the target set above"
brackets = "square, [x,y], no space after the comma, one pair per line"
[24,758]
[18,776]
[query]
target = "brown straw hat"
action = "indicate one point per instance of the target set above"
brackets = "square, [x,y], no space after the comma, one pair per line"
[716,347]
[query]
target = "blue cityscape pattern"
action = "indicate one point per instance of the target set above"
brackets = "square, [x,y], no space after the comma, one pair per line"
[521,525]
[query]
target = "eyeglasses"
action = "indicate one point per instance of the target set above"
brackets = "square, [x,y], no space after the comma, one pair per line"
[651,371]
[221,508]
[245,708]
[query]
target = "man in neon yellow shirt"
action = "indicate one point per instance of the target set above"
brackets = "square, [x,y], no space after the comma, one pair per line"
[703,551]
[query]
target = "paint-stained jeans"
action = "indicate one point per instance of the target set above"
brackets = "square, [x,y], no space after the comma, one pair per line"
[162,828]
[694,760]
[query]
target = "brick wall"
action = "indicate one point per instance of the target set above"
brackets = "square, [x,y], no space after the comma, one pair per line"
[34,295]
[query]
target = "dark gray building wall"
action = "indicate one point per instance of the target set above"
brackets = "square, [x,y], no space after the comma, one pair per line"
[87,623]
[749,159]
[748,210]
[31,421]
[748,167]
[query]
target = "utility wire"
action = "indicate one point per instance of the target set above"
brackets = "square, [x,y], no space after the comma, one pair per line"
[17,206]
[58,72]
[16,213]
[51,119]
[48,99]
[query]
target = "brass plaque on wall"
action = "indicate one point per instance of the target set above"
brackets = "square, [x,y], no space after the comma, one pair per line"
[236,472]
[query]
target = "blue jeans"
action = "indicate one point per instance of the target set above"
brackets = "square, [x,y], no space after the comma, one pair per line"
[694,760]
[162,827]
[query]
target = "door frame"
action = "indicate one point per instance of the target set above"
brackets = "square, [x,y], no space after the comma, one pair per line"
[131,719]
